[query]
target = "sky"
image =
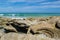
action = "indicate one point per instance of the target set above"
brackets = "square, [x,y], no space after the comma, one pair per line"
[30,6]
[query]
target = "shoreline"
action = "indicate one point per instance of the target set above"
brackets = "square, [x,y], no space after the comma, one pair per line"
[24,16]
[27,15]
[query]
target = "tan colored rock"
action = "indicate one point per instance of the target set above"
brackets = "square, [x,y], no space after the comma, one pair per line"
[16,27]
[16,36]
[11,28]
[2,32]
[54,19]
[4,20]
[27,22]
[41,25]
[31,19]
[13,36]
[45,28]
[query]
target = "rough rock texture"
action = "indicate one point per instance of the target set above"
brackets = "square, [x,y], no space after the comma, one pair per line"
[1,32]
[44,28]
[30,28]
[53,19]
[16,36]
[13,36]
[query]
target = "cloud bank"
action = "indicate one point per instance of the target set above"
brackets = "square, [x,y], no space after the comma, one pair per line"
[29,5]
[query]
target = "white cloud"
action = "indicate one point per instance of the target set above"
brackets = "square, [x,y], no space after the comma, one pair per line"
[26,0]
[35,0]
[27,8]
[50,6]
[40,7]
[52,3]
[16,0]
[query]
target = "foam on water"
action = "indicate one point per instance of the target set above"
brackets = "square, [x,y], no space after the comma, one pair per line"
[28,14]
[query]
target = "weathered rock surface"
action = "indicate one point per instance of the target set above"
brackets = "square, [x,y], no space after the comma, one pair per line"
[13,36]
[16,36]
[41,25]
[2,32]
[44,28]
[53,19]
[49,27]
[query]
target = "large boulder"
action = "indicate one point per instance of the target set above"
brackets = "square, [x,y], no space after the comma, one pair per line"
[41,25]
[44,28]
[15,27]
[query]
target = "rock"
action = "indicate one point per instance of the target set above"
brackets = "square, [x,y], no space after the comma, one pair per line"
[53,19]
[13,36]
[16,27]
[1,32]
[20,27]
[41,25]
[57,25]
[44,28]
[42,19]
[16,36]
[43,37]
[9,28]
[35,26]
[31,19]
[27,22]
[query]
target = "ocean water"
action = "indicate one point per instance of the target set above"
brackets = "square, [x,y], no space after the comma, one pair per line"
[28,14]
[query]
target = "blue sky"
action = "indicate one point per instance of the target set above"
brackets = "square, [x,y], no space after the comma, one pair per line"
[33,6]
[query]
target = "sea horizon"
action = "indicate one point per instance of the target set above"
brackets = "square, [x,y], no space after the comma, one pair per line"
[28,14]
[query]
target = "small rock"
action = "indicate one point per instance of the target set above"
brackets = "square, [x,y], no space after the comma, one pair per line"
[57,25]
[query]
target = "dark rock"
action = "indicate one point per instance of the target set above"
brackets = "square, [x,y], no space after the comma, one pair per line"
[20,28]
[57,25]
[16,27]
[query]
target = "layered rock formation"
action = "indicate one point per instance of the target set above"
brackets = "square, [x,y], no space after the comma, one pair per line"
[30,28]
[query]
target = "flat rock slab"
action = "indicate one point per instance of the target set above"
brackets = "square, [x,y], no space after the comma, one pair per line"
[16,36]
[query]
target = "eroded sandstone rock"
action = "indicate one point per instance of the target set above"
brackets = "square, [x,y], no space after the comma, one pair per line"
[13,36]
[35,26]
[16,36]
[53,19]
[44,28]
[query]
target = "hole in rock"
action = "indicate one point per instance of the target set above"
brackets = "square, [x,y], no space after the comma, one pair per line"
[7,24]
